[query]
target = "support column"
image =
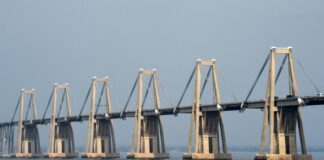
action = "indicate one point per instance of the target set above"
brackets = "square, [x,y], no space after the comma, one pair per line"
[7,146]
[7,142]
[282,120]
[101,136]
[2,140]
[148,136]
[61,141]
[207,128]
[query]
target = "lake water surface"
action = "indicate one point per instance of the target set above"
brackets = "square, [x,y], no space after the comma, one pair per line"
[238,153]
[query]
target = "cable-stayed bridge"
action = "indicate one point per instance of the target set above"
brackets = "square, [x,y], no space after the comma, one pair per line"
[281,121]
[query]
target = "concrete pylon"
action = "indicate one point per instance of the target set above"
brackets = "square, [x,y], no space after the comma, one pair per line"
[61,140]
[282,120]
[27,138]
[101,136]
[148,136]
[207,128]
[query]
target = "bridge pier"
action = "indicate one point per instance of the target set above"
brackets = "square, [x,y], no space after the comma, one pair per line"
[209,138]
[101,136]
[207,128]
[7,133]
[149,140]
[30,146]
[61,140]
[282,121]
[103,143]
[148,136]
[27,140]
[2,133]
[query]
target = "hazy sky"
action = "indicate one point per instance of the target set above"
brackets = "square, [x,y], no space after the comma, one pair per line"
[43,42]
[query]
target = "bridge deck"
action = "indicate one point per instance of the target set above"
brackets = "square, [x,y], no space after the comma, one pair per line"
[233,106]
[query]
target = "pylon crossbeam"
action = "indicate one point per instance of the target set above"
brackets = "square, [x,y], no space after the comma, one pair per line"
[286,50]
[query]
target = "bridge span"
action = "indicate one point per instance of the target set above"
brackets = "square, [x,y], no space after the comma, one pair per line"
[207,138]
[231,106]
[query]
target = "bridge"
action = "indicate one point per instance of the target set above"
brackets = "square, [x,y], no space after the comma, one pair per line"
[207,140]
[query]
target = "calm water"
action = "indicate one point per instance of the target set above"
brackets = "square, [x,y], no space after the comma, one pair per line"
[237,153]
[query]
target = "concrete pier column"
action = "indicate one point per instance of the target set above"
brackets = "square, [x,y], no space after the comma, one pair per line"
[7,141]
[3,141]
[64,141]
[148,136]
[101,136]
[30,145]
[282,121]
[207,128]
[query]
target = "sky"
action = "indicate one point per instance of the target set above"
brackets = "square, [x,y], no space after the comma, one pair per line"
[43,42]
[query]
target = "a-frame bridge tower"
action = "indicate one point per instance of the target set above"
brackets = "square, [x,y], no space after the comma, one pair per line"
[282,121]
[27,138]
[207,128]
[61,140]
[148,136]
[101,136]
